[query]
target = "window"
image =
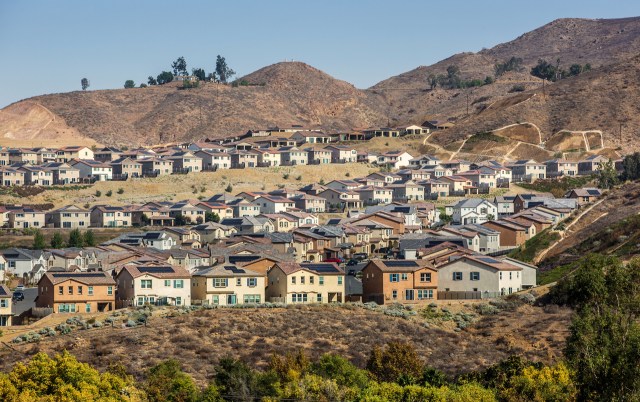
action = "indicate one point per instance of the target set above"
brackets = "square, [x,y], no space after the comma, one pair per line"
[319,298]
[311,280]
[408,294]
[60,290]
[425,277]
[167,282]
[339,280]
[219,282]
[457,276]
[425,294]
[475,276]
[178,301]
[293,280]
[178,283]
[215,299]
[145,283]
[110,290]
[302,280]
[500,275]
[66,308]
[251,299]
[87,308]
[79,290]
[394,294]
[3,303]
[321,280]
[70,290]
[90,291]
[404,277]
[394,278]
[252,282]
[510,276]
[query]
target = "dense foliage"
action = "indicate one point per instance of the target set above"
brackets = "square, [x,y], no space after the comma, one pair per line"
[397,375]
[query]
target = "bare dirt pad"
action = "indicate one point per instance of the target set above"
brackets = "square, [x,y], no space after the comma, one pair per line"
[198,340]
[566,141]
[594,139]
[528,151]
[522,132]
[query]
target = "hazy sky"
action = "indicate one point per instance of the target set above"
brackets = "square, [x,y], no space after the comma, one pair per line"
[48,46]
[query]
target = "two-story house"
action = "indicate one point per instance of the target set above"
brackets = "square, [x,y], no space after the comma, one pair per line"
[76,292]
[228,284]
[399,281]
[154,284]
[290,282]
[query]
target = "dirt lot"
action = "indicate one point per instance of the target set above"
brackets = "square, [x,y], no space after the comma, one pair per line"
[198,340]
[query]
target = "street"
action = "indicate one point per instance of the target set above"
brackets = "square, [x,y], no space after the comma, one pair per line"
[18,307]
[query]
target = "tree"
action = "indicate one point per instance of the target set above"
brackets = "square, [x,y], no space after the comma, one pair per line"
[89,238]
[84,83]
[575,69]
[179,66]
[57,241]
[62,377]
[444,218]
[544,70]
[607,177]
[164,77]
[432,79]
[181,220]
[398,362]
[222,70]
[513,64]
[488,80]
[152,81]
[631,167]
[38,240]
[199,73]
[211,217]
[167,382]
[75,239]
[341,370]
[229,188]
[142,85]
[129,84]
[144,220]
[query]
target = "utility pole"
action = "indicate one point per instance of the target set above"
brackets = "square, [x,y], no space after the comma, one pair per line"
[620,133]
[467,104]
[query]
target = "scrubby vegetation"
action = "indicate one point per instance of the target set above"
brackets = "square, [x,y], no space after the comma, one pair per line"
[534,245]
[476,138]
[557,187]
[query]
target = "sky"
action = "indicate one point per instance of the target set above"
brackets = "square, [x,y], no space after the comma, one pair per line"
[48,46]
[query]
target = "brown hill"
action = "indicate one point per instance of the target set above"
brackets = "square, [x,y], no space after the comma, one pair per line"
[603,100]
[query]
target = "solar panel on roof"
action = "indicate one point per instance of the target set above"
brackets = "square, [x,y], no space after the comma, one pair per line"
[2,292]
[243,258]
[236,270]
[324,268]
[156,270]
[488,260]
[404,264]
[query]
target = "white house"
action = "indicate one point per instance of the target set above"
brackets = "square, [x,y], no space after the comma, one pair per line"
[90,169]
[273,204]
[472,210]
[489,276]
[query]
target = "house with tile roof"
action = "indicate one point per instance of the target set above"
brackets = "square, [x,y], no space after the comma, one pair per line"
[228,284]
[155,284]
[76,292]
[291,282]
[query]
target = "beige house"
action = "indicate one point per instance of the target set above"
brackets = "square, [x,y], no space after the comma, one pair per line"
[11,177]
[26,218]
[342,154]
[222,210]
[126,166]
[69,153]
[186,162]
[107,216]
[227,285]
[69,217]
[291,282]
[269,157]
[63,173]
[153,284]
[214,160]
[156,166]
[5,306]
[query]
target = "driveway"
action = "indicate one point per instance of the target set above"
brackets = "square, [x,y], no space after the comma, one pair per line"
[18,307]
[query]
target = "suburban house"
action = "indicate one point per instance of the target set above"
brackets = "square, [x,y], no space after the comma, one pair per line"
[472,210]
[511,234]
[68,217]
[371,195]
[342,154]
[561,167]
[36,175]
[290,282]
[228,284]
[154,284]
[11,177]
[25,217]
[274,204]
[309,203]
[184,162]
[93,170]
[584,195]
[591,164]
[63,173]
[292,156]
[107,154]
[156,166]
[126,166]
[5,306]
[399,281]
[67,154]
[395,159]
[20,262]
[479,277]
[527,170]
[76,292]
[211,231]
[108,216]
[318,156]
[214,160]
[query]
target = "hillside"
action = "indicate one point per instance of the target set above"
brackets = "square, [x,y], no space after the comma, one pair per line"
[290,93]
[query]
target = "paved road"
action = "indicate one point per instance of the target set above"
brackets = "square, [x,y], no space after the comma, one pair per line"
[28,302]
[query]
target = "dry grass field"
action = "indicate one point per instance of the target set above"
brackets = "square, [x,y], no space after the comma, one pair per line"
[199,339]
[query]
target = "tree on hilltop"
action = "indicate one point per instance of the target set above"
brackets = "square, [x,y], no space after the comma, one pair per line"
[85,84]
[152,81]
[179,66]
[164,77]
[129,84]
[222,70]
[199,73]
